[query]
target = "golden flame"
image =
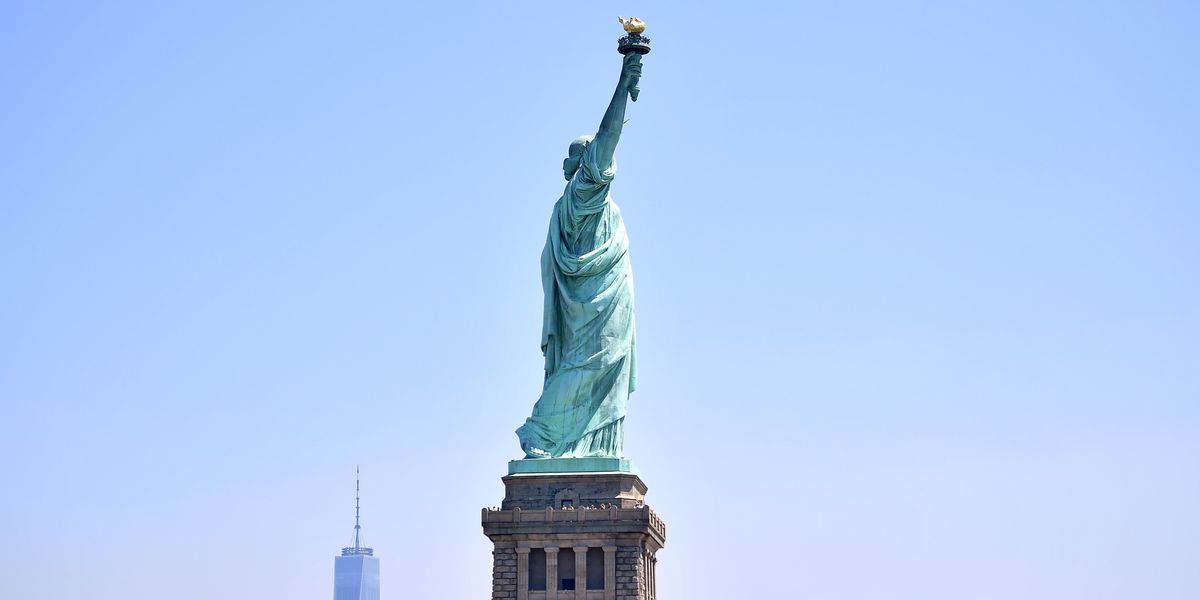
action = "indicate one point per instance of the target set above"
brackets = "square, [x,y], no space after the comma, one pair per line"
[632,24]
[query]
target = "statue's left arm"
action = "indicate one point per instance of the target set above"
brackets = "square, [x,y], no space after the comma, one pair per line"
[614,118]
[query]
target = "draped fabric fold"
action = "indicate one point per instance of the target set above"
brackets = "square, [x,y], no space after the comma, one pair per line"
[587,323]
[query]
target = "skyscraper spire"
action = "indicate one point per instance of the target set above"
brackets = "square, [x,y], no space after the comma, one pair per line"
[356,525]
[357,548]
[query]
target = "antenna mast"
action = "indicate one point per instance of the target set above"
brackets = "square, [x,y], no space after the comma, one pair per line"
[356,525]
[357,548]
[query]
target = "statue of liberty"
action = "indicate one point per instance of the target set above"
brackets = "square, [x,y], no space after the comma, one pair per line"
[587,282]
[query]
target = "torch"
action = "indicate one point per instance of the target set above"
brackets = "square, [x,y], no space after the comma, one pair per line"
[634,41]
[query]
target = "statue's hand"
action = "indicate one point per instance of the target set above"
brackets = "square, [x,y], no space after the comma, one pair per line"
[631,70]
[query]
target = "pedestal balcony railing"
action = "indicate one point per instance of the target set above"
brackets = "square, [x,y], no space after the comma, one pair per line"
[579,515]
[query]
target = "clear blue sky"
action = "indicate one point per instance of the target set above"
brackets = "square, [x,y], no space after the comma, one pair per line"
[918,291]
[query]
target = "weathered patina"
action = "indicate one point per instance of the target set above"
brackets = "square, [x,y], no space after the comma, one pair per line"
[588,318]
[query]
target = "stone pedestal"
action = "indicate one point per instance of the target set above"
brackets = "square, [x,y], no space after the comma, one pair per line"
[573,536]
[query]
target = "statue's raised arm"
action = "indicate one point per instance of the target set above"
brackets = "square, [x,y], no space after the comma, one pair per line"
[614,118]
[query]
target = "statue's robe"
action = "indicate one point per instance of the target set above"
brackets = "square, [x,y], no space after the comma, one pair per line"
[587,323]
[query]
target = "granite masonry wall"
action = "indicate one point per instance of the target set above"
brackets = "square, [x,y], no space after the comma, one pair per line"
[504,574]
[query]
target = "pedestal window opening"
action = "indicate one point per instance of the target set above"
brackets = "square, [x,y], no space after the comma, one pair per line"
[566,569]
[537,570]
[595,569]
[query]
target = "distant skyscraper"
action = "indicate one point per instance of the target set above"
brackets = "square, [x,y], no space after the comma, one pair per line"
[356,571]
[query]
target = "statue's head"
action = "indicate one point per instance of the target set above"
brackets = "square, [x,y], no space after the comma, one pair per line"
[575,155]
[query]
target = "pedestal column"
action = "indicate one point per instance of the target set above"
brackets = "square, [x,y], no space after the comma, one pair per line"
[653,577]
[610,573]
[551,573]
[522,573]
[580,571]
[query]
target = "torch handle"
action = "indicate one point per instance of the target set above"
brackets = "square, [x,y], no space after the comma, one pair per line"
[633,84]
[634,45]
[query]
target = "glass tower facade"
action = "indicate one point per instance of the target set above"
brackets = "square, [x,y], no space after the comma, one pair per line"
[355,577]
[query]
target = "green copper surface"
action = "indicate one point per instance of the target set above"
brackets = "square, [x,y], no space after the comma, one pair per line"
[587,314]
[593,464]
